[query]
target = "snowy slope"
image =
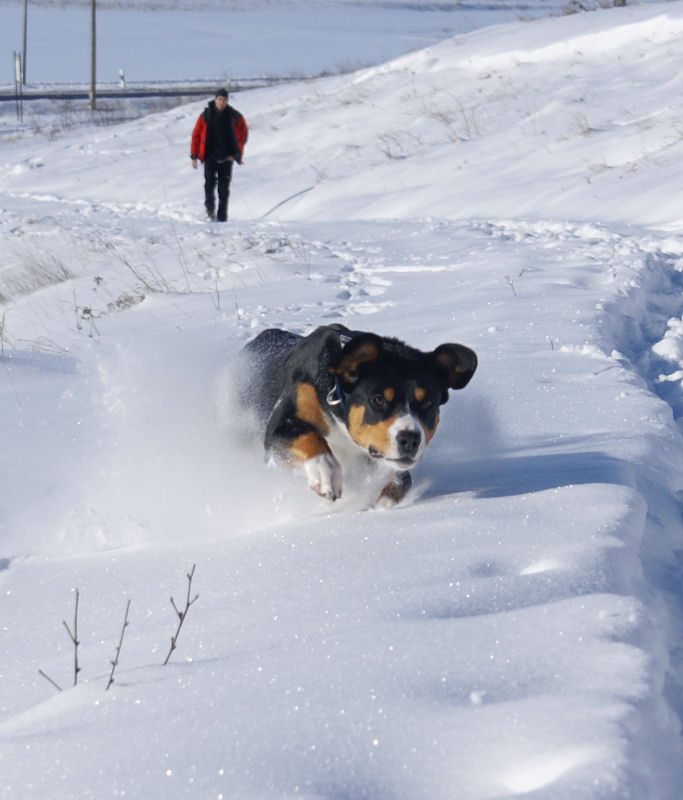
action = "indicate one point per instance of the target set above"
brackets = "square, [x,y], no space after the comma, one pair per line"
[514,628]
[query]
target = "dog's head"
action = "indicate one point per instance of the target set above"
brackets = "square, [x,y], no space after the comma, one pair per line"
[389,394]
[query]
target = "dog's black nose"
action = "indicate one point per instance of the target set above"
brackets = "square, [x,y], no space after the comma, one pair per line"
[408,443]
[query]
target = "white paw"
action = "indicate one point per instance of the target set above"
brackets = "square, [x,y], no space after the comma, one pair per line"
[324,475]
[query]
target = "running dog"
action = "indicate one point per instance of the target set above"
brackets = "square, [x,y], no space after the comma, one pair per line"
[326,398]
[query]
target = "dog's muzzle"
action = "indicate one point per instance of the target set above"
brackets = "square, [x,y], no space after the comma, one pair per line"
[408,444]
[406,448]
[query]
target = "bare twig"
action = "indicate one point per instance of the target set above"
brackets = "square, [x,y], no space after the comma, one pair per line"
[3,322]
[182,614]
[115,662]
[74,638]
[181,255]
[512,285]
[48,678]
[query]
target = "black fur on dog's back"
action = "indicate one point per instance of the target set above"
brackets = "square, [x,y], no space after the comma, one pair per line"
[265,368]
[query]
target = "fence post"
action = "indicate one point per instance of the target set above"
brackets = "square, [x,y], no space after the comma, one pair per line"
[93,59]
[18,87]
[23,52]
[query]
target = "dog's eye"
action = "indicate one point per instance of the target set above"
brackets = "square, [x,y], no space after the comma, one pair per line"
[378,401]
[427,404]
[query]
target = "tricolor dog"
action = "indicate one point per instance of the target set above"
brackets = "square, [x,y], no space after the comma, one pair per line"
[335,393]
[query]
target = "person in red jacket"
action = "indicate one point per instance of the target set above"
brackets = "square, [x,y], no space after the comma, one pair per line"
[218,140]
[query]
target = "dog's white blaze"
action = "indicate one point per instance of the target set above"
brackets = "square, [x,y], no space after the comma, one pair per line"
[406,422]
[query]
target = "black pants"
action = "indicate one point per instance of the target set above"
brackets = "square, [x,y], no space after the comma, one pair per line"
[217,173]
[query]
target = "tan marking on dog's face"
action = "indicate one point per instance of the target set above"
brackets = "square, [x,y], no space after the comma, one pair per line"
[420,394]
[429,432]
[389,394]
[308,445]
[367,436]
[308,406]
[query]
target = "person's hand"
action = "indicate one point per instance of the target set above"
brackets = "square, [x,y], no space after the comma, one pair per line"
[194,163]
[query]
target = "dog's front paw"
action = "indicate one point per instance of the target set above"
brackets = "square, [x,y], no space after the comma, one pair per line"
[324,475]
[395,490]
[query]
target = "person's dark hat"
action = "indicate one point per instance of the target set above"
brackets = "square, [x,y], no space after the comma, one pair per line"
[222,93]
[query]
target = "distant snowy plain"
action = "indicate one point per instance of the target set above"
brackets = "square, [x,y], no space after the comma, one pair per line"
[226,39]
[513,629]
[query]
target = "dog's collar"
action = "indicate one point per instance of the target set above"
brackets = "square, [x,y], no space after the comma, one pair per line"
[335,396]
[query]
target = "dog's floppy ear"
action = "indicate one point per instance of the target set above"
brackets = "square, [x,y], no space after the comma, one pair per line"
[455,364]
[360,350]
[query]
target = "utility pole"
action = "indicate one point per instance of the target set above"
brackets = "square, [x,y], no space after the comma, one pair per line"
[23,52]
[18,86]
[93,59]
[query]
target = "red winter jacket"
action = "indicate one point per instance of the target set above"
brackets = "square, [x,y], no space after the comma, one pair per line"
[198,145]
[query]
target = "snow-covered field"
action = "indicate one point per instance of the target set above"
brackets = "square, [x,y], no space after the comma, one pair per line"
[234,38]
[513,629]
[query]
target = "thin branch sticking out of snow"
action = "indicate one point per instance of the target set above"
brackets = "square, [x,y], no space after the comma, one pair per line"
[115,662]
[73,635]
[182,614]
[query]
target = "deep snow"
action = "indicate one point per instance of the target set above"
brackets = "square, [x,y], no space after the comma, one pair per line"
[514,628]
